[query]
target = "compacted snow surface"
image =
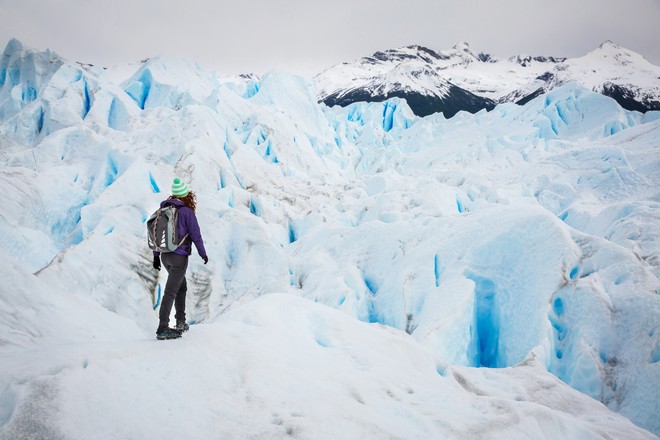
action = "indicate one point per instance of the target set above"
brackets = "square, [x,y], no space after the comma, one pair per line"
[372,274]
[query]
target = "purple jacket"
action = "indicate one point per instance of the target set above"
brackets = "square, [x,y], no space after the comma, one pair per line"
[187,224]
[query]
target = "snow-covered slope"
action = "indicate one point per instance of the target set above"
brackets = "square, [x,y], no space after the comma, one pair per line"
[459,79]
[477,265]
[284,367]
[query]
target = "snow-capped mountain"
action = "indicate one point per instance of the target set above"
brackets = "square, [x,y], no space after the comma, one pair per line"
[372,274]
[410,73]
[459,79]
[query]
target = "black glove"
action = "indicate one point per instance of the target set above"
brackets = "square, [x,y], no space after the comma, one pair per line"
[156,262]
[206,259]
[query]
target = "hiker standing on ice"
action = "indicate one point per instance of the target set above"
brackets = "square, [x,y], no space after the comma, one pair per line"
[176,262]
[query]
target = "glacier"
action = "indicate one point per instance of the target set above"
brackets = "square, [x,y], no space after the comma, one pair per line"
[372,273]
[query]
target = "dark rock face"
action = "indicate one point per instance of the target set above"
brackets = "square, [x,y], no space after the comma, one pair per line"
[524,100]
[422,105]
[626,98]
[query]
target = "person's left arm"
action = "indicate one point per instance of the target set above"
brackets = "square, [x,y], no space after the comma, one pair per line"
[195,234]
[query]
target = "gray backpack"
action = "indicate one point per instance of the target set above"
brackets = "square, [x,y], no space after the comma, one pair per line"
[162,232]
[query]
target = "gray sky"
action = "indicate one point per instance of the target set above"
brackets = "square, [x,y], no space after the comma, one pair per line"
[237,36]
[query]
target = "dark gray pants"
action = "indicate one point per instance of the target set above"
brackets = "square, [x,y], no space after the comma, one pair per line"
[175,289]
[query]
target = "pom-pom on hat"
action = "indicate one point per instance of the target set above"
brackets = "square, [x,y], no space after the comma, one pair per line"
[179,188]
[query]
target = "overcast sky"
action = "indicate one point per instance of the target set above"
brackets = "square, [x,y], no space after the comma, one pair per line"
[305,37]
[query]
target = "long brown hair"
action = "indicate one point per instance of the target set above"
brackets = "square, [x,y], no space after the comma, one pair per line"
[190,200]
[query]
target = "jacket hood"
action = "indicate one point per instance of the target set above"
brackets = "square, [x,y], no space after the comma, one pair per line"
[175,202]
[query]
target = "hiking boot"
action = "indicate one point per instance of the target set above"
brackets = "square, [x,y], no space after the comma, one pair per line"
[167,333]
[181,326]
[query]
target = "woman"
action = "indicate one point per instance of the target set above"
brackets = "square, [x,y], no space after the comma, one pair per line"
[176,262]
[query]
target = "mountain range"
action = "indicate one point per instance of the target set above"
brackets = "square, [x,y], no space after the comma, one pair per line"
[460,79]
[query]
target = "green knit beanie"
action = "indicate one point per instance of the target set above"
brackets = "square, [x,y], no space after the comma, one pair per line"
[179,188]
